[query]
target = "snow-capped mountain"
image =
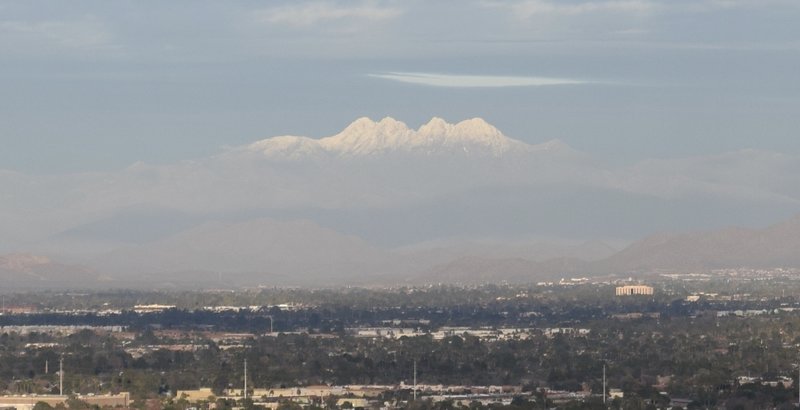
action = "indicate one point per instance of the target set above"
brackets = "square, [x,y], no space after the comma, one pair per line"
[388,186]
[367,138]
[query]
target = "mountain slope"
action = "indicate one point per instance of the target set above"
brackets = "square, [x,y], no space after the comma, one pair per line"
[477,269]
[263,251]
[299,252]
[774,246]
[29,271]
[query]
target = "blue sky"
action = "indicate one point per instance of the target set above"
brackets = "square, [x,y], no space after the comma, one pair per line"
[97,85]
[681,115]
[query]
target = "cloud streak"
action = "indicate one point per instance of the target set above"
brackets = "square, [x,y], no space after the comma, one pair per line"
[539,7]
[531,8]
[85,34]
[474,81]
[307,14]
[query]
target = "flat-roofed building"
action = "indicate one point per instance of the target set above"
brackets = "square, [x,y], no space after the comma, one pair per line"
[154,308]
[28,401]
[628,290]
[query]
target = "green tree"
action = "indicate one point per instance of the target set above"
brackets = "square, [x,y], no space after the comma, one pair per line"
[40,405]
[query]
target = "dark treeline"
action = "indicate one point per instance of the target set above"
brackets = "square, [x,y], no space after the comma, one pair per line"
[698,358]
[685,349]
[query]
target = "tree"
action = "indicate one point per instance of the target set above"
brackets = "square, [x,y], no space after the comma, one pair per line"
[40,405]
[75,403]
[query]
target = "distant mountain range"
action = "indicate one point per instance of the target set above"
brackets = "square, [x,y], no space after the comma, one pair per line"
[777,246]
[26,271]
[367,138]
[259,247]
[774,246]
[380,202]
[270,252]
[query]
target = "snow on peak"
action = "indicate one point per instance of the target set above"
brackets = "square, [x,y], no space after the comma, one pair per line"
[286,146]
[477,127]
[365,137]
[365,127]
[436,126]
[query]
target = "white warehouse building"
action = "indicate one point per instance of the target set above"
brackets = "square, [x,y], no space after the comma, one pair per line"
[628,290]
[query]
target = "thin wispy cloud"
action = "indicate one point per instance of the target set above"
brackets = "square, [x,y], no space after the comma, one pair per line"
[307,14]
[532,8]
[467,81]
[752,3]
[529,8]
[85,34]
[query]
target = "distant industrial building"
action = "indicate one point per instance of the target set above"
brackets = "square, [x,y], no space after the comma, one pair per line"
[28,401]
[154,308]
[629,290]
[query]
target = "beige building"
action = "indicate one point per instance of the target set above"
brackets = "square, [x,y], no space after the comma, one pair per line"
[194,396]
[634,290]
[26,402]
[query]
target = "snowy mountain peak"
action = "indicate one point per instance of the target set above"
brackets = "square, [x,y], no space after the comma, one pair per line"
[364,137]
[477,127]
[365,126]
[367,138]
[286,147]
[436,126]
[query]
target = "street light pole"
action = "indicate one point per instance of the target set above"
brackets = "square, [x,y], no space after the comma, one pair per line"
[604,383]
[415,380]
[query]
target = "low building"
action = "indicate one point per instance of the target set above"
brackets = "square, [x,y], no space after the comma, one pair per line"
[193,396]
[356,403]
[629,290]
[27,401]
[153,308]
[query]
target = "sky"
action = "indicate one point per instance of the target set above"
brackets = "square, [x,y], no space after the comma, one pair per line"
[147,126]
[97,86]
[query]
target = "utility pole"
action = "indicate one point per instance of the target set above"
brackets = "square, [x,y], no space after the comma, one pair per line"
[544,398]
[245,379]
[604,383]
[415,380]
[61,376]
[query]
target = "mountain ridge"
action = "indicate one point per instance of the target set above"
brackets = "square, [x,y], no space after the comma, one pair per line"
[365,137]
[777,245]
[303,253]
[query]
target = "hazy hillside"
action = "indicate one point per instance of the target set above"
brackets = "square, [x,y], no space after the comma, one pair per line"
[258,251]
[475,269]
[300,252]
[27,271]
[774,246]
